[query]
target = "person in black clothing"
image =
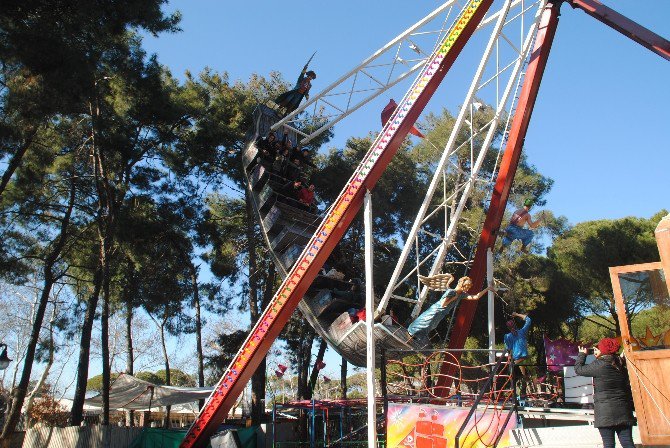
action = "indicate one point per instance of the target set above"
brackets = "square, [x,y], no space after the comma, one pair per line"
[267,148]
[294,170]
[305,158]
[281,161]
[288,144]
[612,400]
[267,142]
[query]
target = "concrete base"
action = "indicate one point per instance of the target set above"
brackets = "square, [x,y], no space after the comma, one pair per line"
[562,437]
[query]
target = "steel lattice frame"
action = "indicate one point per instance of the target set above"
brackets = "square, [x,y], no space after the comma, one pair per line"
[364,178]
[453,201]
[332,229]
[387,67]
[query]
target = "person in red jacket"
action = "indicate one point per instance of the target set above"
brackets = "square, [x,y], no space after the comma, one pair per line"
[306,196]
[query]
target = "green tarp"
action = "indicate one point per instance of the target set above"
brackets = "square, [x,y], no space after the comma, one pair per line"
[159,438]
[171,438]
[247,437]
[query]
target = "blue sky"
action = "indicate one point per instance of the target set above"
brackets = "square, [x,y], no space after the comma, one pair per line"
[599,128]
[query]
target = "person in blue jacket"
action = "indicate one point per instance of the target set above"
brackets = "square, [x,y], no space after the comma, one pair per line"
[516,342]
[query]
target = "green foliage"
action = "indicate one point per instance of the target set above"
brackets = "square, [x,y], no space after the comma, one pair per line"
[177,378]
[57,47]
[585,253]
[94,383]
[657,319]
[223,231]
[150,378]
[226,347]
[594,327]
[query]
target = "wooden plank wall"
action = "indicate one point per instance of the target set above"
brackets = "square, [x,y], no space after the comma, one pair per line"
[81,436]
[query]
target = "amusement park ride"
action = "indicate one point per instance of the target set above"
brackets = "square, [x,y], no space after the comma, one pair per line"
[508,77]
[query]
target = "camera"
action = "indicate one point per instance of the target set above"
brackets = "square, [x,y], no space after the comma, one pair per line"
[589,351]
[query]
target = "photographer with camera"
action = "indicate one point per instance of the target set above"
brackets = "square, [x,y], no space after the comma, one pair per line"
[612,400]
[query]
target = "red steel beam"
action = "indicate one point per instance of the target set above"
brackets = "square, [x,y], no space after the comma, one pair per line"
[625,26]
[333,227]
[504,180]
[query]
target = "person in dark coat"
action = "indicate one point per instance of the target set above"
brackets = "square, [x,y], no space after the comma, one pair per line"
[291,99]
[280,163]
[267,148]
[294,170]
[613,400]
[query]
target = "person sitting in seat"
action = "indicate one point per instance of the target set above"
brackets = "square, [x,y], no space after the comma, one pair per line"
[295,191]
[267,148]
[431,317]
[305,158]
[388,320]
[353,294]
[294,170]
[267,143]
[306,197]
[288,192]
[288,144]
[280,163]
[332,273]
[291,100]
[516,231]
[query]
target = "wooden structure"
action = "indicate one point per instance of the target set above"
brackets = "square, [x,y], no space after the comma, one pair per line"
[88,436]
[647,285]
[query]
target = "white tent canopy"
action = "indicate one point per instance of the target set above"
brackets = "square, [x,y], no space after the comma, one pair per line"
[128,392]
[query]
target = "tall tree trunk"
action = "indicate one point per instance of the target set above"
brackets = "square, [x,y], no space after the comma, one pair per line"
[45,374]
[253,262]
[77,411]
[130,361]
[343,379]
[104,335]
[198,329]
[258,393]
[305,358]
[615,319]
[259,377]
[166,421]
[315,370]
[107,209]
[16,159]
[254,311]
[19,393]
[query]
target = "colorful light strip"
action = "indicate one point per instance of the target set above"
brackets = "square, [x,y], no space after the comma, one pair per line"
[323,233]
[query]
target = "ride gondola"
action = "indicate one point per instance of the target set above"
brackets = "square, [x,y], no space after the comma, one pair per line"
[328,306]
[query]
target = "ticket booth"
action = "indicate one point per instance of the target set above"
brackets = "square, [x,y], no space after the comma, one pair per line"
[642,300]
